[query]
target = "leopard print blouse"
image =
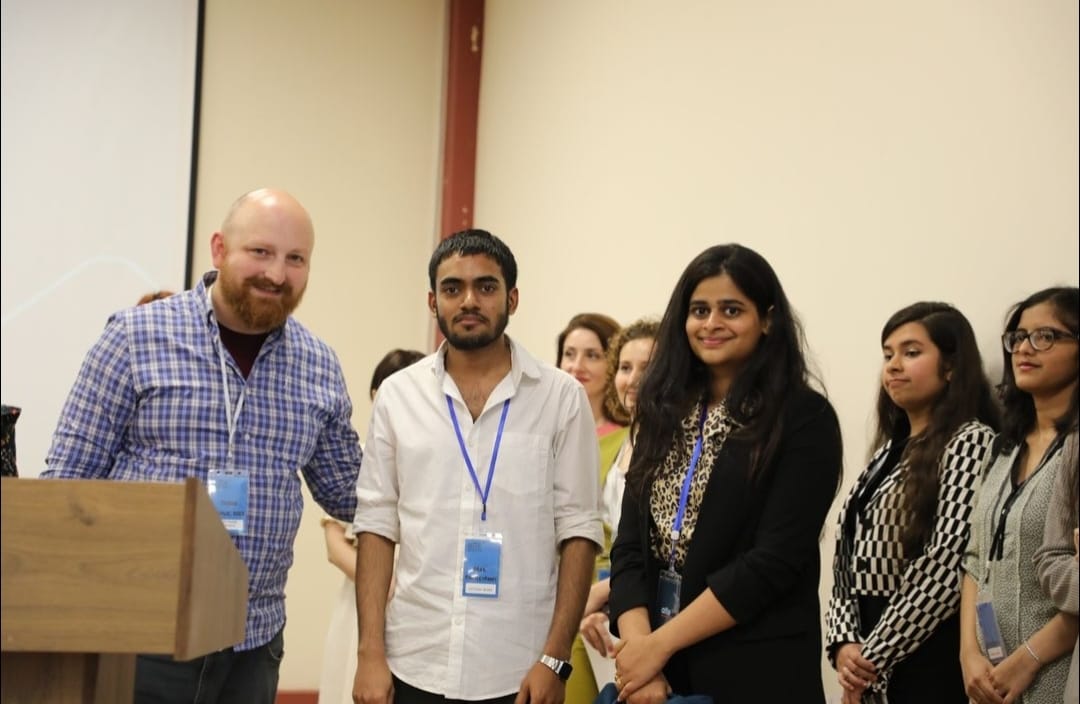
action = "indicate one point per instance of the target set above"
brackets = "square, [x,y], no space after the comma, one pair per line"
[664,503]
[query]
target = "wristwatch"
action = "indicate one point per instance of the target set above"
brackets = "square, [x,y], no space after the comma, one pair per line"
[559,667]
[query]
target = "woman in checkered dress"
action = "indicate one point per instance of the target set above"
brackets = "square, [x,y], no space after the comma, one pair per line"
[893,627]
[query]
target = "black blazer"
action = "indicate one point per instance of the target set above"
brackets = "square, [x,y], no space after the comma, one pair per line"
[756,547]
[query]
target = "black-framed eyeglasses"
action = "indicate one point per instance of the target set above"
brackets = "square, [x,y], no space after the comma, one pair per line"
[1041,339]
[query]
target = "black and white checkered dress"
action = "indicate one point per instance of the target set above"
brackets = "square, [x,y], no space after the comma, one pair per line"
[921,592]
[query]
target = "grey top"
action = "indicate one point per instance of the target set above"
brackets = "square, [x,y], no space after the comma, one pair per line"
[1020,604]
[1055,561]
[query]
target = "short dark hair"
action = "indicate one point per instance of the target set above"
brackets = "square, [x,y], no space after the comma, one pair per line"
[395,360]
[470,242]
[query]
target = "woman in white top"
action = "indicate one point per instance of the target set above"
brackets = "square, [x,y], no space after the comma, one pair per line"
[339,656]
[628,356]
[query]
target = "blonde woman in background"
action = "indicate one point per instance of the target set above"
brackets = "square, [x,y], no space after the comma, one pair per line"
[628,357]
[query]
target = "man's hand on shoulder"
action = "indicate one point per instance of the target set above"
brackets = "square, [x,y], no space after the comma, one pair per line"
[541,686]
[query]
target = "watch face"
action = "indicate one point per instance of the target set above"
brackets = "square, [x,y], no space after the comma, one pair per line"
[559,667]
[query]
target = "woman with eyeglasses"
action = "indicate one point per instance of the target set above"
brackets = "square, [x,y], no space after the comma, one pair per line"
[1012,635]
[892,621]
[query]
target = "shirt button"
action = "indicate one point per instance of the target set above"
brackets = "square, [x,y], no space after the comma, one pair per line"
[457,620]
[862,564]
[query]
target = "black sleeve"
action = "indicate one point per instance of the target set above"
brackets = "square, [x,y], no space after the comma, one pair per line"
[629,573]
[802,480]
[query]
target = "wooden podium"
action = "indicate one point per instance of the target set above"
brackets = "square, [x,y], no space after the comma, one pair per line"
[95,571]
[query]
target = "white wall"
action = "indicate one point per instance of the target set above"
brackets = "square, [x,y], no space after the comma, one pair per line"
[339,102]
[876,154]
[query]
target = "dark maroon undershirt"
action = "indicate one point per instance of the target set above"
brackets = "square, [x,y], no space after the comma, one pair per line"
[243,348]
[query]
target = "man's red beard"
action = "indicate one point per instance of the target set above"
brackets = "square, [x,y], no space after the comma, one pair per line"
[257,312]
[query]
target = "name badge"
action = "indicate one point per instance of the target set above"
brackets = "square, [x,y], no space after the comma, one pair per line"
[667,595]
[480,573]
[228,489]
[991,634]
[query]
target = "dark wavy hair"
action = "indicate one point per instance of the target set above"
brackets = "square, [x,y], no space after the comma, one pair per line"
[1019,407]
[604,326]
[394,360]
[644,329]
[677,379]
[967,395]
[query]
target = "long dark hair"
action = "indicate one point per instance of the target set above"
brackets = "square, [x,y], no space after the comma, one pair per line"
[1019,407]
[967,395]
[676,378]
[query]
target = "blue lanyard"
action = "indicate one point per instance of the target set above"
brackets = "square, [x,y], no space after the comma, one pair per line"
[676,530]
[233,419]
[486,491]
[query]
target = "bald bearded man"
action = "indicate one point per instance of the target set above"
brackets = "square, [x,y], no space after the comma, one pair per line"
[220,383]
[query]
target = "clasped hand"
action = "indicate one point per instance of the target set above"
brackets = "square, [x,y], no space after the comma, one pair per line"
[638,663]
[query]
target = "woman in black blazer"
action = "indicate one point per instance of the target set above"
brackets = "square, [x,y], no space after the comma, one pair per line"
[714,586]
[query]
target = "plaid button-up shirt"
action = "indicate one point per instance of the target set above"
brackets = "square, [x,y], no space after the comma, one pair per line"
[149,405]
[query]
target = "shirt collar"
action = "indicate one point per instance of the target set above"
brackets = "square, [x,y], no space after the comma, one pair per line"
[716,417]
[522,364]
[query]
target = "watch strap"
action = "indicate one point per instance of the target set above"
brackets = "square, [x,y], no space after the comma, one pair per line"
[560,667]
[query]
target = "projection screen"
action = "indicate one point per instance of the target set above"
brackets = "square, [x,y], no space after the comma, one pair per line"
[99,117]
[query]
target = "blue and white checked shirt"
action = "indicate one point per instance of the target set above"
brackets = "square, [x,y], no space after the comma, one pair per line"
[148,405]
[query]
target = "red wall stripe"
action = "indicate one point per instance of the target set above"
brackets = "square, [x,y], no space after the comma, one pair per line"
[464,54]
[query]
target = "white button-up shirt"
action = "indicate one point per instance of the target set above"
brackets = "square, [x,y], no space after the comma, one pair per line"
[415,489]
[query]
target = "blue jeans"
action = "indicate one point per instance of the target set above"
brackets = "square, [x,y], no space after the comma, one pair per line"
[224,677]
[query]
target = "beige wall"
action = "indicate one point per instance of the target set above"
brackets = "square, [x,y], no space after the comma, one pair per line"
[338,101]
[875,153]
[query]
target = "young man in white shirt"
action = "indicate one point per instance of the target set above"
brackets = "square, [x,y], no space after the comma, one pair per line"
[480,465]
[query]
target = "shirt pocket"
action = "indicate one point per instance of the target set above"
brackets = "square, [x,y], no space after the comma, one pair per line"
[523,474]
